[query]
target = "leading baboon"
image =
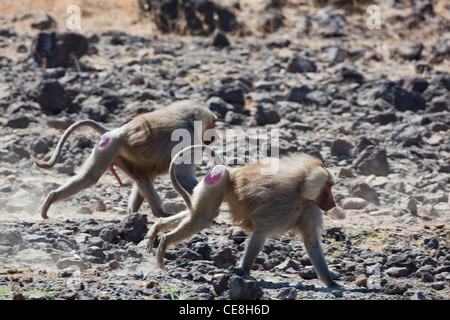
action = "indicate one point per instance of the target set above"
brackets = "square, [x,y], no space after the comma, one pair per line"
[292,199]
[141,148]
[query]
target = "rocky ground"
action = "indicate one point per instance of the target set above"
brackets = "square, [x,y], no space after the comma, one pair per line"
[372,103]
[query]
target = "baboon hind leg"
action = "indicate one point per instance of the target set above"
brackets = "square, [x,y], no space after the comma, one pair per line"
[98,162]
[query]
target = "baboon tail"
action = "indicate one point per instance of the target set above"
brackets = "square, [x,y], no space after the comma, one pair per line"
[50,163]
[178,158]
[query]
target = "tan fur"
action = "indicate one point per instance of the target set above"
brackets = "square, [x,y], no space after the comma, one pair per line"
[263,204]
[142,149]
[150,134]
[299,179]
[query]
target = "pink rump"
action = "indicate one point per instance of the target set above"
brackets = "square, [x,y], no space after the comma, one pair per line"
[104,141]
[214,175]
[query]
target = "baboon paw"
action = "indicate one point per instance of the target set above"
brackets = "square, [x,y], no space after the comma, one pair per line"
[149,247]
[43,214]
[161,265]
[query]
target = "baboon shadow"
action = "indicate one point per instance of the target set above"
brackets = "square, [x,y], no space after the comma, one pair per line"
[306,287]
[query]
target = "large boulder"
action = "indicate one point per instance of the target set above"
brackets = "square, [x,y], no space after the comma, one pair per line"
[133,228]
[373,160]
[52,97]
[58,49]
[200,17]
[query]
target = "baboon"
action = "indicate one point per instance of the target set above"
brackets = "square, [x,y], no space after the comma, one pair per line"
[292,199]
[142,149]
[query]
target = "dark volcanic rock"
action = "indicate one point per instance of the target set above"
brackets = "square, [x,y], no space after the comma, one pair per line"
[223,257]
[242,288]
[92,254]
[332,54]
[301,65]
[349,75]
[43,22]
[401,98]
[93,108]
[439,104]
[219,106]
[298,94]
[220,40]
[58,49]
[235,285]
[133,227]
[383,118]
[410,50]
[332,24]
[404,100]
[373,90]
[266,114]
[341,147]
[200,16]
[52,97]
[7,32]
[417,84]
[19,121]
[232,94]
[373,160]
[392,288]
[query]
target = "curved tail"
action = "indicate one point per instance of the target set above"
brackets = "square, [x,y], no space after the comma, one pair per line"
[50,163]
[178,158]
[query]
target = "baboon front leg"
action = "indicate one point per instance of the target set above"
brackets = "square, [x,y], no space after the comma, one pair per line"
[317,258]
[148,191]
[252,249]
[98,162]
[142,188]
[310,227]
[135,200]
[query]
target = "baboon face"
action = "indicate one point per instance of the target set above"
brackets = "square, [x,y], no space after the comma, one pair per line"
[317,187]
[325,199]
